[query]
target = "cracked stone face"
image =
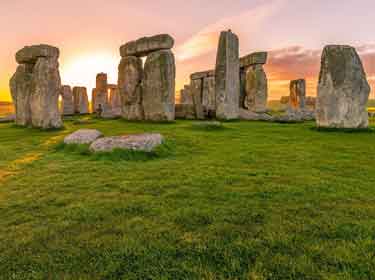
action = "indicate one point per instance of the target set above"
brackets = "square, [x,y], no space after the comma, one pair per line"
[343,89]
[158,86]
[130,87]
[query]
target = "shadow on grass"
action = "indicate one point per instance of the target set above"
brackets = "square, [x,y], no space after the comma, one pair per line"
[36,129]
[343,130]
[165,150]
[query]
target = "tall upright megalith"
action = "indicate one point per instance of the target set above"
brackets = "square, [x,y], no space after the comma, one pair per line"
[343,89]
[36,87]
[297,97]
[81,100]
[159,86]
[227,77]
[130,87]
[148,93]
[67,101]
[255,85]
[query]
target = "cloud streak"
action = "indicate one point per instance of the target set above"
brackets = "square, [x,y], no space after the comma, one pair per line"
[206,40]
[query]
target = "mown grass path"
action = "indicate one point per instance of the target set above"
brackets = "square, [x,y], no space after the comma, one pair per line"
[250,201]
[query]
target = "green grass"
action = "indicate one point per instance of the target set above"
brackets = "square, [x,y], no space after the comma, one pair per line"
[252,200]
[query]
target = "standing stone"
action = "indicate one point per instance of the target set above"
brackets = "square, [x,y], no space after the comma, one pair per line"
[115,100]
[185,96]
[101,91]
[254,82]
[196,87]
[256,89]
[81,101]
[130,74]
[20,87]
[227,77]
[297,94]
[36,86]
[343,89]
[159,86]
[208,95]
[67,103]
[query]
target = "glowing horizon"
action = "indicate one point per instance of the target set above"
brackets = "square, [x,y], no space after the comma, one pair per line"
[88,45]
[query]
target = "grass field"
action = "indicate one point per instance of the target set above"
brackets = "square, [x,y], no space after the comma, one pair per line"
[251,200]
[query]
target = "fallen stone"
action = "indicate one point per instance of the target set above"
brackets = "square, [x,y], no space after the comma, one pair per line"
[147,45]
[343,90]
[141,142]
[159,86]
[253,116]
[8,118]
[227,87]
[83,136]
[253,59]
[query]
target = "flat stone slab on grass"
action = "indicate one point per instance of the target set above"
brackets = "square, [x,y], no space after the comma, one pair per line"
[83,136]
[139,142]
[8,118]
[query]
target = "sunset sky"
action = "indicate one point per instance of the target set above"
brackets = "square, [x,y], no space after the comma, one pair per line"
[90,32]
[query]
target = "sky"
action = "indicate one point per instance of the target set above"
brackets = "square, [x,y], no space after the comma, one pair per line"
[90,32]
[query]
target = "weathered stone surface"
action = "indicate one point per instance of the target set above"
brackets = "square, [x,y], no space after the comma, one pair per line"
[130,87]
[253,59]
[227,77]
[297,94]
[295,116]
[145,46]
[44,98]
[115,101]
[196,87]
[141,142]
[208,95]
[185,111]
[100,93]
[81,100]
[159,86]
[256,89]
[186,96]
[20,88]
[343,89]
[67,102]
[83,136]
[253,116]
[311,101]
[30,54]
[202,75]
